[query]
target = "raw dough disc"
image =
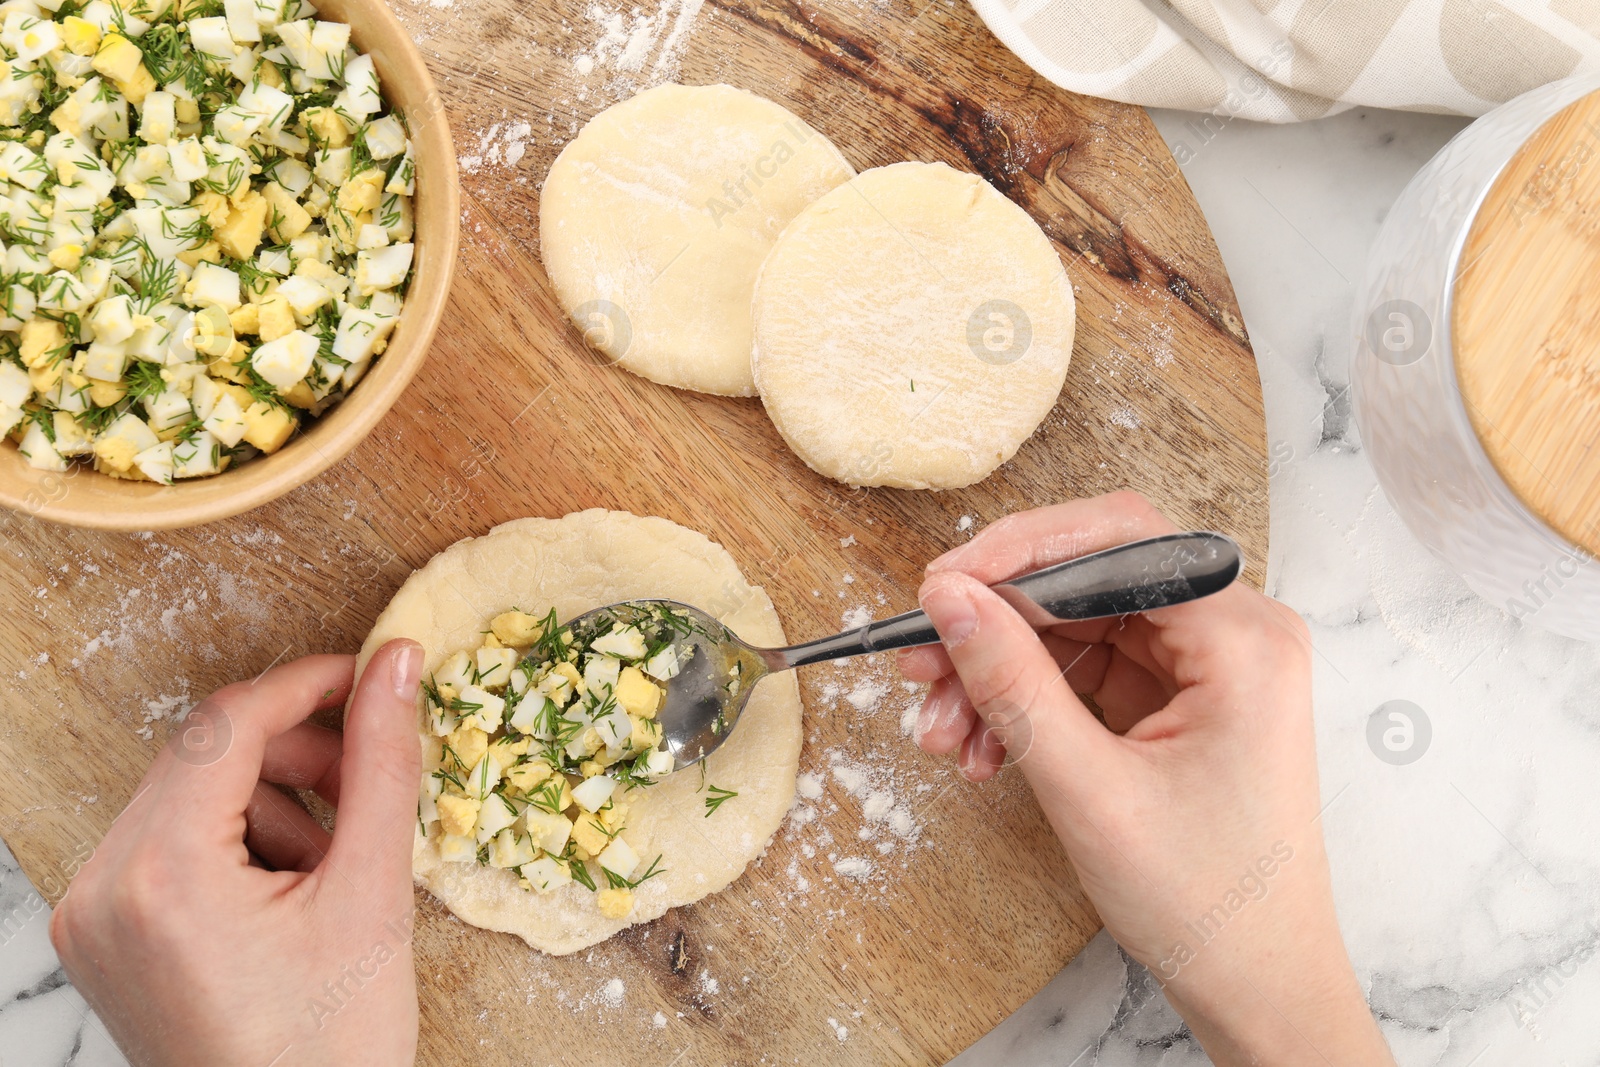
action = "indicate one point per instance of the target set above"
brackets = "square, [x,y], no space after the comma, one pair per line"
[573,564]
[655,219]
[912,329]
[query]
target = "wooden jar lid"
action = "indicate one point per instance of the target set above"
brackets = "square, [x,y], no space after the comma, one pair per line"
[1526,323]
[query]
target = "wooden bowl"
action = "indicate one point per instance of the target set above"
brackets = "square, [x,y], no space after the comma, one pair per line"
[82,496]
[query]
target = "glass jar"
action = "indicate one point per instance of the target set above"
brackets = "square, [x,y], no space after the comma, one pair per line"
[1416,426]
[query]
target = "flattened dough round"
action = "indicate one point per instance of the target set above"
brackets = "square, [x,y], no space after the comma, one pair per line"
[573,564]
[912,329]
[655,219]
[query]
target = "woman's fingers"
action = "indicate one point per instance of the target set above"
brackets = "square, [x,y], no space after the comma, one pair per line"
[211,765]
[946,717]
[1082,665]
[925,664]
[1015,685]
[1029,540]
[305,757]
[982,753]
[1188,644]
[381,769]
[283,833]
[1128,693]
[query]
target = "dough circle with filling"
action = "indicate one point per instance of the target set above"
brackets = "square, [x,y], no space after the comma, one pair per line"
[655,219]
[582,561]
[912,329]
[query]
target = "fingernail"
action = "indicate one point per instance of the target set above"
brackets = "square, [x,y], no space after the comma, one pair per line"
[405,670]
[952,612]
[925,718]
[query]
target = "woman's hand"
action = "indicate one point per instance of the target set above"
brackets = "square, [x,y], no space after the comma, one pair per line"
[1190,809]
[190,952]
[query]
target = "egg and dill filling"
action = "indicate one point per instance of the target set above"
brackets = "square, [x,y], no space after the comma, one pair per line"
[546,732]
[205,229]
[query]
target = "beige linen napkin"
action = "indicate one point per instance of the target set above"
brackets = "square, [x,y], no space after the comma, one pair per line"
[1288,60]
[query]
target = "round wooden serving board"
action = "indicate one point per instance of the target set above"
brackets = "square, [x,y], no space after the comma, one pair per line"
[963,905]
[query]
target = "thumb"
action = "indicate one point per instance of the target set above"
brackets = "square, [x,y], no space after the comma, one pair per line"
[1017,687]
[379,771]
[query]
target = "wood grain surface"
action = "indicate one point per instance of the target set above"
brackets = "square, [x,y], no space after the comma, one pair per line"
[972,907]
[1525,323]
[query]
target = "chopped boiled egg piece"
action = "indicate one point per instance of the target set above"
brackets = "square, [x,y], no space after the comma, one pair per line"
[455,671]
[305,296]
[614,902]
[210,37]
[454,848]
[664,664]
[510,850]
[494,665]
[613,727]
[382,268]
[625,642]
[156,463]
[198,455]
[494,815]
[619,858]
[458,814]
[29,37]
[268,426]
[226,421]
[38,450]
[545,874]
[482,708]
[549,831]
[593,793]
[636,694]
[600,673]
[284,362]
[659,764]
[14,385]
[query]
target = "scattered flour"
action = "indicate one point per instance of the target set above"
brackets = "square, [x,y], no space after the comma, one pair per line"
[1158,345]
[964,523]
[847,542]
[840,1032]
[162,708]
[630,38]
[501,145]
[660,1021]
[854,867]
[874,787]
[611,993]
[856,618]
[878,805]
[867,696]
[851,776]
[808,786]
[1124,417]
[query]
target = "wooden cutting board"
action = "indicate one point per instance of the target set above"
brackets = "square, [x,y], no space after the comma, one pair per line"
[963,905]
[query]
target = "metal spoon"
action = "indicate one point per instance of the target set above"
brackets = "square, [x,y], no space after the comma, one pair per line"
[705,699]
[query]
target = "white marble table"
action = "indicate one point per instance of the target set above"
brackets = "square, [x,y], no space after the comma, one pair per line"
[1468,880]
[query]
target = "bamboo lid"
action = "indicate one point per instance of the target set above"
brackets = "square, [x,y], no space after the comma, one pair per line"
[1526,323]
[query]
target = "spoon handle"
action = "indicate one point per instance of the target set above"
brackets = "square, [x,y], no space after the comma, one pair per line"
[1142,576]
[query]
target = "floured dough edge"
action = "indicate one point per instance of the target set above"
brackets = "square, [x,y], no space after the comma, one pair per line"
[573,564]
